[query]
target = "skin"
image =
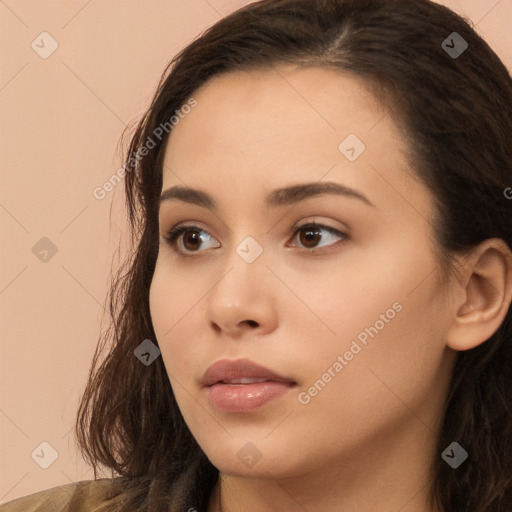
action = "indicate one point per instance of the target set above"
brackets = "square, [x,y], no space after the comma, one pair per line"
[366,440]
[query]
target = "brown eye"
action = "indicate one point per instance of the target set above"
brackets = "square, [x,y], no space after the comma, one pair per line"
[192,239]
[311,234]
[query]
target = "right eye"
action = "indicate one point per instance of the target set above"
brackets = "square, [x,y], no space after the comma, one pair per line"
[193,239]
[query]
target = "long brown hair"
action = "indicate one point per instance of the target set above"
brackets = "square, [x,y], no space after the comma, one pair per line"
[457,112]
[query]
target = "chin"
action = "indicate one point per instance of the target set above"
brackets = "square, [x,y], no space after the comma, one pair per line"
[247,459]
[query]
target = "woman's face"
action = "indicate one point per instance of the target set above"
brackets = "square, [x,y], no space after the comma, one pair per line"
[353,318]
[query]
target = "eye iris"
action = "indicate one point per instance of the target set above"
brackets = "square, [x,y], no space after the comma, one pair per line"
[311,235]
[191,235]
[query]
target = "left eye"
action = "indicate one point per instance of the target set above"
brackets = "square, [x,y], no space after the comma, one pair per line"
[195,236]
[312,232]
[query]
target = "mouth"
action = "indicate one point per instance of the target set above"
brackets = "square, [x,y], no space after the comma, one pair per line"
[243,386]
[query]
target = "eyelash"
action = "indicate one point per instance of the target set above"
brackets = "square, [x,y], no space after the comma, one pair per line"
[174,233]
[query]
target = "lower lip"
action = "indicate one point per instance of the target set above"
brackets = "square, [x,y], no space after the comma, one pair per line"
[245,397]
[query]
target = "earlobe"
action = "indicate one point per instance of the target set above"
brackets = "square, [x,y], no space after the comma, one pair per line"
[486,298]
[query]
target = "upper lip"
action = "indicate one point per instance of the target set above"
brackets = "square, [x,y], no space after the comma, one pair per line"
[226,370]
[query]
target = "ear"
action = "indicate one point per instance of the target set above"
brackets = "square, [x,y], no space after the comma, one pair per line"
[485,297]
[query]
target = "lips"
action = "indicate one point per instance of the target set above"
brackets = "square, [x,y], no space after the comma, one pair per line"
[242,372]
[243,386]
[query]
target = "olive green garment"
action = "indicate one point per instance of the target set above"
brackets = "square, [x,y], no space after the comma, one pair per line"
[82,496]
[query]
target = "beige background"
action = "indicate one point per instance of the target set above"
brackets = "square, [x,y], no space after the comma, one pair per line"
[61,119]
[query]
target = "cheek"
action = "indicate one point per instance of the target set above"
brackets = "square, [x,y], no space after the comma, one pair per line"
[381,315]
[337,302]
[173,307]
[395,375]
[396,358]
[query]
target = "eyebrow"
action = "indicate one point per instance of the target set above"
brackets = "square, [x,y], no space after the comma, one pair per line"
[276,198]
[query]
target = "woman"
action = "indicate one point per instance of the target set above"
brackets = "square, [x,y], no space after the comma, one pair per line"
[317,313]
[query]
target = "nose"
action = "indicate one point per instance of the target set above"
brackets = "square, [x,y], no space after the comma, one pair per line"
[243,299]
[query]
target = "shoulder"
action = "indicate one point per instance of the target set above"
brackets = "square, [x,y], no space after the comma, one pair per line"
[81,496]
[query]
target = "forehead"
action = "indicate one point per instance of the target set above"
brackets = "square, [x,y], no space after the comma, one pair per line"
[264,129]
[283,106]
